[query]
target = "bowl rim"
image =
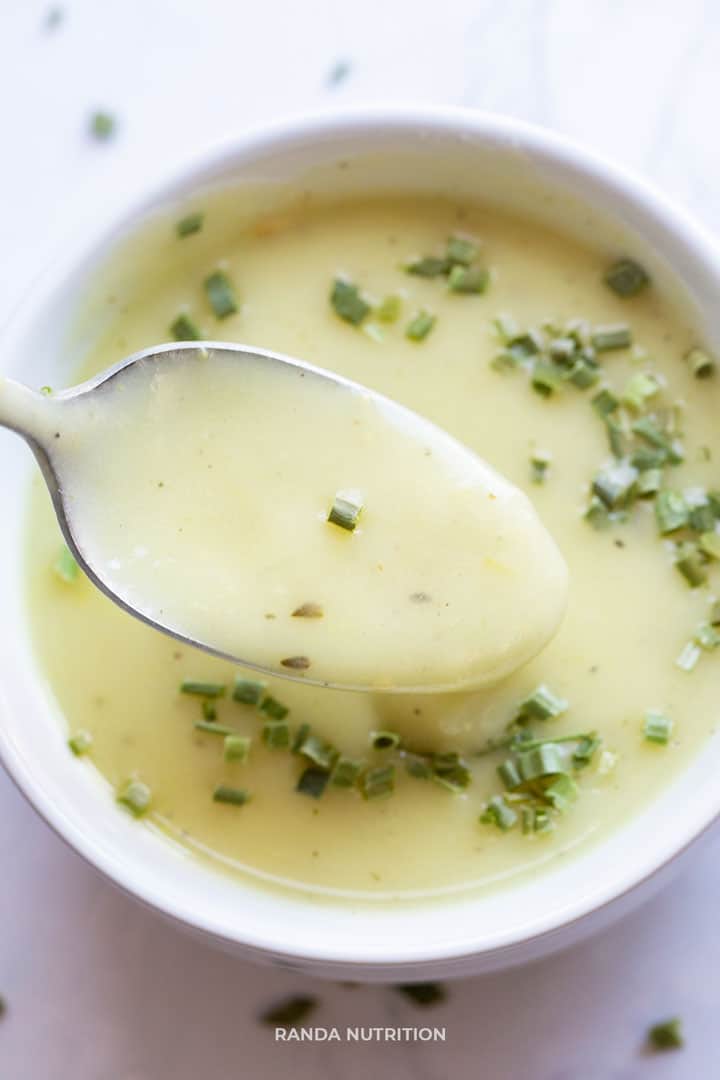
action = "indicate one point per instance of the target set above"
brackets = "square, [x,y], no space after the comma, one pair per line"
[652,212]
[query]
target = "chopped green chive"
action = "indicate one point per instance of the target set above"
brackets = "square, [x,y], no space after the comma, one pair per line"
[710,544]
[389,310]
[578,330]
[423,993]
[526,345]
[468,279]
[615,484]
[420,326]
[210,727]
[378,782]
[498,813]
[507,328]
[135,796]
[271,707]
[236,748]
[583,374]
[542,821]
[646,457]
[562,350]
[233,796]
[313,781]
[384,740]
[563,353]
[523,740]
[657,728]
[65,567]
[460,251]
[605,338]
[250,692]
[509,775]
[626,278]
[348,303]
[544,760]
[545,378]
[701,364]
[641,387]
[542,704]
[689,656]
[585,750]
[561,793]
[299,737]
[540,465]
[604,403]
[707,637]
[80,742]
[714,618]
[221,294]
[191,223]
[102,125]
[616,437]
[691,564]
[430,266]
[450,772]
[203,689]
[647,428]
[667,1036]
[345,512]
[671,511]
[374,332]
[209,711]
[185,329]
[276,734]
[702,516]
[317,750]
[504,362]
[289,1013]
[345,772]
[418,766]
[598,515]
[649,482]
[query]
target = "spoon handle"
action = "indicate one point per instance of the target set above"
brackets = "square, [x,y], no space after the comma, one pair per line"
[24,411]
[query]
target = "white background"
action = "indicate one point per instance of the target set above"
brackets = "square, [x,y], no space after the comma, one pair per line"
[98,988]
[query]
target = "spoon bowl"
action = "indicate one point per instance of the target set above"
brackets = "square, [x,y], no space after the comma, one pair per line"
[286,518]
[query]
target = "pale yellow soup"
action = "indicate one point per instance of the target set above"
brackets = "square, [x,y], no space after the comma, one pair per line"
[630,611]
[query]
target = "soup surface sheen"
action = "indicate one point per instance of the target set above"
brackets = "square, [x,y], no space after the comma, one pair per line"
[630,611]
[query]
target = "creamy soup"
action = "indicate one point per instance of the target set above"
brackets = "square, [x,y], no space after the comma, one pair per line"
[247,504]
[587,390]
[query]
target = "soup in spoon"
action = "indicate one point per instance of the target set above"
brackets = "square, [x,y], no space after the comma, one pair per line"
[303,524]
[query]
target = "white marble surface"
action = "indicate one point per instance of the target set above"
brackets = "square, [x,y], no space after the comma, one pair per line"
[98,988]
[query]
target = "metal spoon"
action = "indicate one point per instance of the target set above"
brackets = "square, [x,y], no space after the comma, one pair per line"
[39,419]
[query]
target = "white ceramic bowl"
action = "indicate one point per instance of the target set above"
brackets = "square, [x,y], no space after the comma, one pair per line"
[488,158]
